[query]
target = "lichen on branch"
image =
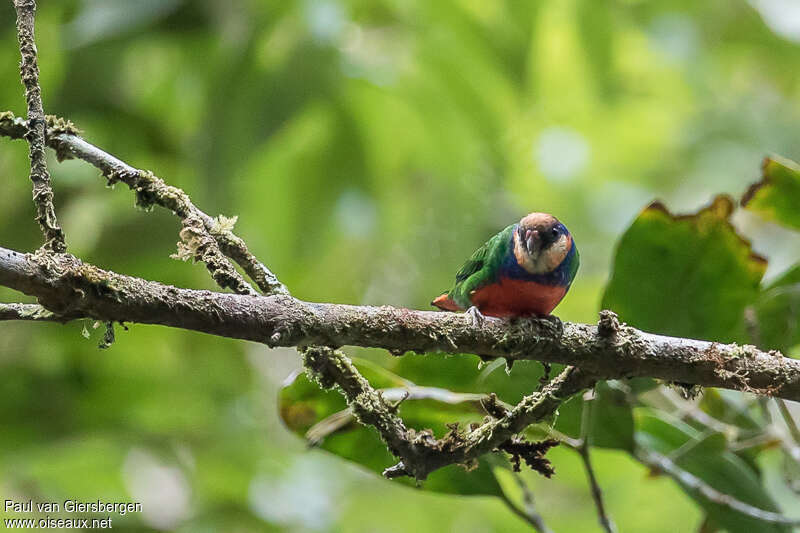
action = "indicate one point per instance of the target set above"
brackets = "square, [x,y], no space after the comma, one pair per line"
[203,238]
[64,284]
[34,131]
[420,453]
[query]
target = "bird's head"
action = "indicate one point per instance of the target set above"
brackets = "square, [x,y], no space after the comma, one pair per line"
[541,243]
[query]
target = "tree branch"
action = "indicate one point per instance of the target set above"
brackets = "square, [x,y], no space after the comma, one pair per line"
[609,350]
[65,285]
[794,431]
[35,129]
[583,449]
[420,453]
[695,484]
[32,312]
[204,236]
[529,513]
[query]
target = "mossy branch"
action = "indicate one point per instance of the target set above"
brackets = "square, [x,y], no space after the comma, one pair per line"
[203,237]
[65,285]
[420,453]
[31,312]
[34,131]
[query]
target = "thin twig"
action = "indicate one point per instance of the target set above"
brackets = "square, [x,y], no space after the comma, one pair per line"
[583,450]
[522,513]
[789,420]
[529,513]
[690,445]
[35,130]
[331,367]
[152,190]
[790,447]
[695,484]
[32,312]
[235,248]
[689,409]
[764,440]
[420,453]
[396,395]
[532,518]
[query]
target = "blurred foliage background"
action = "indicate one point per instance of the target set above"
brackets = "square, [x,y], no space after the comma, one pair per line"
[368,147]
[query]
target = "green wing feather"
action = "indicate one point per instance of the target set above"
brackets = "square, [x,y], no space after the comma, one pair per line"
[482,267]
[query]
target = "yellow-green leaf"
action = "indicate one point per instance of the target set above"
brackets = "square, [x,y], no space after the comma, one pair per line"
[688,275]
[777,196]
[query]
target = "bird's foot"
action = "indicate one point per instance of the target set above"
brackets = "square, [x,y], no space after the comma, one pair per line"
[475,316]
[555,321]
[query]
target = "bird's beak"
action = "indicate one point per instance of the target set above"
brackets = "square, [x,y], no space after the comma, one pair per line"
[532,241]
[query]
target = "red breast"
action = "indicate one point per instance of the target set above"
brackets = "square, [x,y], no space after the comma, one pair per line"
[513,297]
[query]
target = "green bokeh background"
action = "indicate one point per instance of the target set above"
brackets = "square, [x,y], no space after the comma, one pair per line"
[368,147]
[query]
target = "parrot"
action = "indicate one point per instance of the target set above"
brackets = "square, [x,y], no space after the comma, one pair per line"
[523,271]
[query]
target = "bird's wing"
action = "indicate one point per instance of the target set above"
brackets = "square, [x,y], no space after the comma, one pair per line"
[482,267]
[474,263]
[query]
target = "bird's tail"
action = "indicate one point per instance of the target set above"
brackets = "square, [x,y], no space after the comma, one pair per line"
[445,302]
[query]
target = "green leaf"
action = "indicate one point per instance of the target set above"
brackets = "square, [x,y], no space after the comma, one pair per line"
[611,423]
[777,195]
[705,456]
[689,275]
[612,419]
[732,408]
[466,372]
[777,311]
[642,385]
[450,372]
[323,417]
